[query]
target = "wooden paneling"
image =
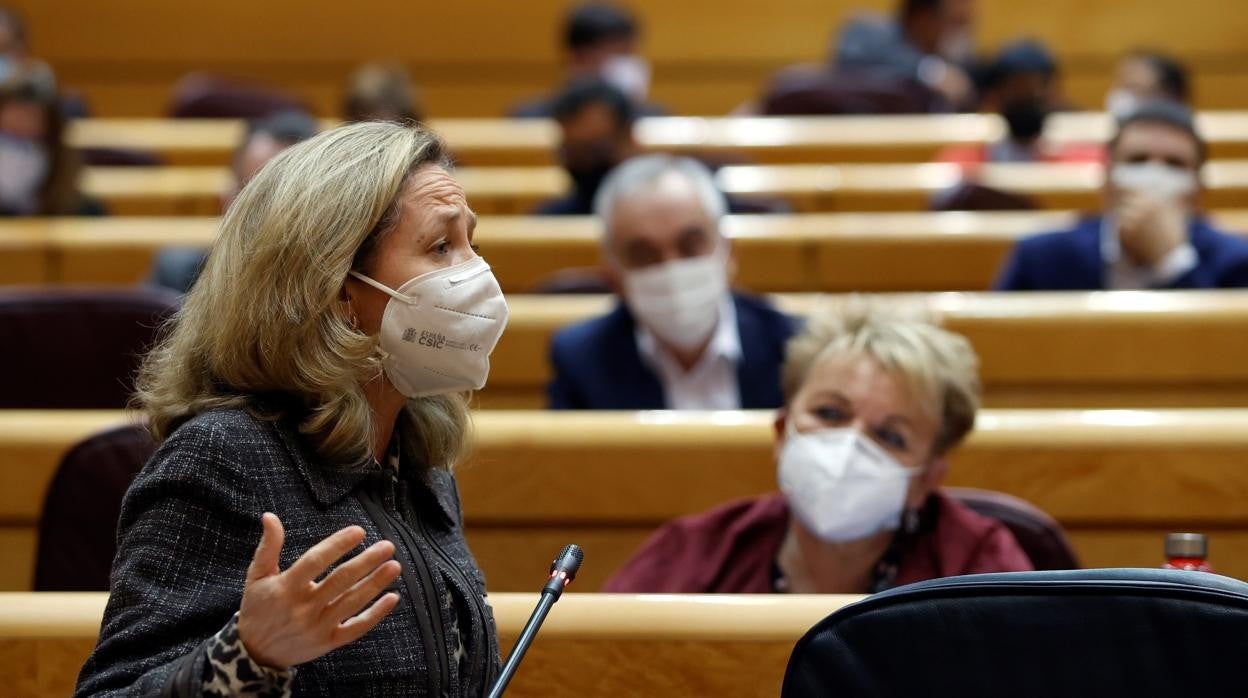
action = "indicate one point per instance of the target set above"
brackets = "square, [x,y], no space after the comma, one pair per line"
[1118,480]
[598,645]
[476,59]
[834,253]
[839,139]
[1104,349]
[194,190]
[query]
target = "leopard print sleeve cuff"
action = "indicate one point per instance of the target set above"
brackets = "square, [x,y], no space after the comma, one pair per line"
[230,672]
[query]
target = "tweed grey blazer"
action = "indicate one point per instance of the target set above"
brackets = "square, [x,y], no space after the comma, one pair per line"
[190,525]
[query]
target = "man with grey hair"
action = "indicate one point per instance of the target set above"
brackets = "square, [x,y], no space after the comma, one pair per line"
[679,338]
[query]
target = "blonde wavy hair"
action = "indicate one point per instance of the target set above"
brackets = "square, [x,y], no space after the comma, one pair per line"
[940,366]
[263,327]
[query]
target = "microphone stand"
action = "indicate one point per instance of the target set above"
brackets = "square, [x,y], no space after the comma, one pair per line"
[562,572]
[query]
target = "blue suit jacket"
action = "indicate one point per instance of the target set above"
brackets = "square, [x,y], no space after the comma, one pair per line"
[597,365]
[1070,260]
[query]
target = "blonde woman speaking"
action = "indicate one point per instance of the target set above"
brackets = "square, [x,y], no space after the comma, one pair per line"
[299,529]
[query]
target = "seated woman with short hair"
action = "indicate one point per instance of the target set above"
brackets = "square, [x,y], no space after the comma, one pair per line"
[874,401]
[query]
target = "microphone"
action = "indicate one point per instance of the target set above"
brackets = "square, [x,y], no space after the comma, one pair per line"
[562,571]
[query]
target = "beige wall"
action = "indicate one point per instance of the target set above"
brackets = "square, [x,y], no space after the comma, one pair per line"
[476,57]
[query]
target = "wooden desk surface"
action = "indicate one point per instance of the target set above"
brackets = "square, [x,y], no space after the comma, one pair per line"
[1101,349]
[762,139]
[1118,480]
[195,190]
[591,644]
[828,252]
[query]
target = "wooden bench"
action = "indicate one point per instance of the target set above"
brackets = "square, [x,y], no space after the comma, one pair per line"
[828,252]
[1104,349]
[1118,480]
[192,190]
[835,139]
[591,644]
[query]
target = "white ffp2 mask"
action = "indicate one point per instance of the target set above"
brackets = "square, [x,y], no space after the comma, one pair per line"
[679,300]
[841,485]
[439,329]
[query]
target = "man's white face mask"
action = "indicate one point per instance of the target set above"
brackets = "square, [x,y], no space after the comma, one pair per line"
[629,73]
[1120,103]
[1153,179]
[679,300]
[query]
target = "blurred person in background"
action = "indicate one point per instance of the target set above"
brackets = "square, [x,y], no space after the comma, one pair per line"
[595,134]
[1021,85]
[679,337]
[1151,233]
[382,92]
[177,268]
[600,40]
[15,57]
[874,401]
[930,41]
[1143,76]
[38,171]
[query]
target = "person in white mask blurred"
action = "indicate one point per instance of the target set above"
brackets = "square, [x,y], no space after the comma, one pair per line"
[1151,233]
[1145,76]
[874,401]
[600,41]
[679,337]
[38,171]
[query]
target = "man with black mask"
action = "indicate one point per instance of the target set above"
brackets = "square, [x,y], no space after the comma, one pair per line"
[1021,85]
[596,134]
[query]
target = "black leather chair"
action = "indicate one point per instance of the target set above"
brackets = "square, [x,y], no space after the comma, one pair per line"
[1116,632]
[76,348]
[78,529]
[1039,534]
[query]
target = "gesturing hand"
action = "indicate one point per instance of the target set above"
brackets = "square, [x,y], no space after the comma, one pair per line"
[288,618]
[1150,228]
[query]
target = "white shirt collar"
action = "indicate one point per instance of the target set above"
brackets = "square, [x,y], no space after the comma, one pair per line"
[1120,274]
[725,343]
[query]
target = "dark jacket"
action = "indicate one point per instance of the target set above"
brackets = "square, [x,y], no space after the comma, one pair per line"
[1070,260]
[189,527]
[597,366]
[732,549]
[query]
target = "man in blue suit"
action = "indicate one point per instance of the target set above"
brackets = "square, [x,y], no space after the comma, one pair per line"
[679,338]
[1150,235]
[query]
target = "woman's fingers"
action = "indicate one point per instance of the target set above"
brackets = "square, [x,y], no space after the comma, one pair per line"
[355,627]
[265,562]
[358,596]
[350,572]
[320,556]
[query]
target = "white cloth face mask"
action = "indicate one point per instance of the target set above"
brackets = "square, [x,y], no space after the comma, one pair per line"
[439,329]
[1154,179]
[1120,103]
[24,166]
[841,485]
[679,300]
[629,74]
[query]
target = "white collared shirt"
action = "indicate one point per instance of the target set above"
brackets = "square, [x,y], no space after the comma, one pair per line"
[711,384]
[1121,275]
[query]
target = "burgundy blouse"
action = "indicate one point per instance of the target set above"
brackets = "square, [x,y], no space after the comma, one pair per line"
[732,548]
